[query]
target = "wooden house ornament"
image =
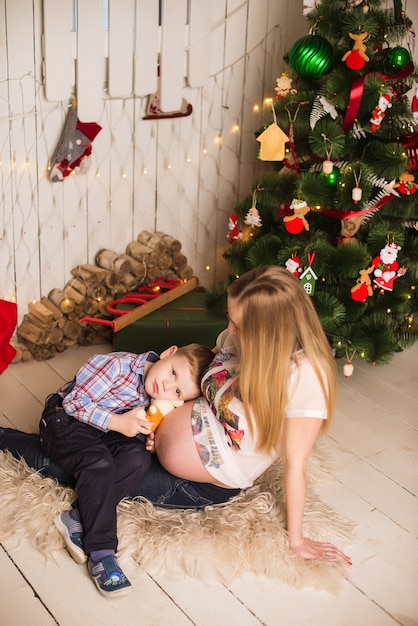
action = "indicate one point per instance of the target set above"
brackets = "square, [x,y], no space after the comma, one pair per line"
[308,278]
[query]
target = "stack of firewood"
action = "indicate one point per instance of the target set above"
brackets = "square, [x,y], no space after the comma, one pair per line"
[52,324]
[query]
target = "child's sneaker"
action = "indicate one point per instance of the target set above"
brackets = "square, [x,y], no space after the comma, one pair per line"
[73,533]
[108,576]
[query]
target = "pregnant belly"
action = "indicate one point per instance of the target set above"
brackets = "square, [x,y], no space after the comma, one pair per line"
[176,448]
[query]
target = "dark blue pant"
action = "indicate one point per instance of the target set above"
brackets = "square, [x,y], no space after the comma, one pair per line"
[157,485]
[106,466]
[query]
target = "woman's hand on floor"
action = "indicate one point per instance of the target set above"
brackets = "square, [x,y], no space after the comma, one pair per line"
[317,550]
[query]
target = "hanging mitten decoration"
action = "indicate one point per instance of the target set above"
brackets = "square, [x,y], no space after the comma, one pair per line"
[356,58]
[308,277]
[363,287]
[386,267]
[74,148]
[406,185]
[295,223]
[379,111]
[294,265]
[233,230]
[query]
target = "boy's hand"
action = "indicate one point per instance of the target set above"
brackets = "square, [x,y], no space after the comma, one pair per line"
[131,423]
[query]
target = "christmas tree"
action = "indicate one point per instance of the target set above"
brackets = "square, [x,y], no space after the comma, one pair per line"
[337,205]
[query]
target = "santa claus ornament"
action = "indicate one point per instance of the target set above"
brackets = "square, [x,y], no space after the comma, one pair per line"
[233,230]
[386,268]
[378,113]
[74,149]
[294,265]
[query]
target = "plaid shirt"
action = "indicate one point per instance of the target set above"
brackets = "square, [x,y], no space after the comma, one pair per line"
[107,384]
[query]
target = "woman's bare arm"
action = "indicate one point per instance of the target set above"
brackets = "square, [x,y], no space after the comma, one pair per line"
[299,437]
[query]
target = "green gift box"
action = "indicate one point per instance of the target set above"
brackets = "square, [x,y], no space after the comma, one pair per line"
[187,319]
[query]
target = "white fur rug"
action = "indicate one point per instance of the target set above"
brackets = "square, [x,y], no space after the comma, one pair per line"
[218,544]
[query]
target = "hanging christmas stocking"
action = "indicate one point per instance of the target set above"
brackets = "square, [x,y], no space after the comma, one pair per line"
[74,148]
[8,321]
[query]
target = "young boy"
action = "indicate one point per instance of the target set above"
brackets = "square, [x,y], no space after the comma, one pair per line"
[89,427]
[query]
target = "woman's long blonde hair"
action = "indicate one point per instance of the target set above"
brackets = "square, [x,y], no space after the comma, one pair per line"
[277,318]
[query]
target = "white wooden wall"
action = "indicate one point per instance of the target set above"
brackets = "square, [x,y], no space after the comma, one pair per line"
[182,176]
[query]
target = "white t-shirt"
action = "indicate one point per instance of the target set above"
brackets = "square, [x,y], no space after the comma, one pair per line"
[220,426]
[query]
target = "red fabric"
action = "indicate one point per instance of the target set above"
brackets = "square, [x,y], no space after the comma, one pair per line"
[8,321]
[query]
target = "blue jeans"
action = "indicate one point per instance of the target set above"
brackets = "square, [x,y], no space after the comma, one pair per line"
[158,486]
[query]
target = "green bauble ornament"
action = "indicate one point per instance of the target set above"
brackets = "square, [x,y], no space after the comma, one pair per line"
[396,59]
[331,178]
[311,57]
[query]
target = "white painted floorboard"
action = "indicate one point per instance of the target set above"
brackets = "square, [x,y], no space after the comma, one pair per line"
[373,445]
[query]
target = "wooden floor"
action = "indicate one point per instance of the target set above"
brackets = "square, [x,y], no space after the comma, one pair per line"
[373,444]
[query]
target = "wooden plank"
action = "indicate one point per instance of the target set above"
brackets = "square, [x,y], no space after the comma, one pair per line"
[22,133]
[7,260]
[57,49]
[172,54]
[90,60]
[257,24]
[199,49]
[146,47]
[121,174]
[121,42]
